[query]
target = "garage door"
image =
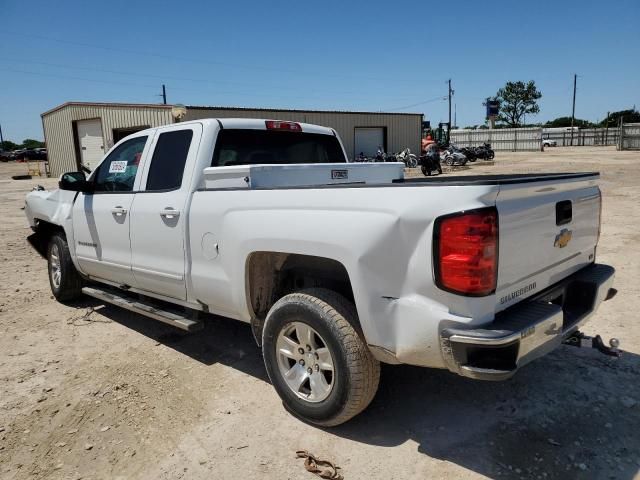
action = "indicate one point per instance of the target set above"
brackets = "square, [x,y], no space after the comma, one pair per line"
[367,140]
[90,142]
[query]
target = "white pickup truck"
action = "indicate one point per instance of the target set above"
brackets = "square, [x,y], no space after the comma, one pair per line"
[337,266]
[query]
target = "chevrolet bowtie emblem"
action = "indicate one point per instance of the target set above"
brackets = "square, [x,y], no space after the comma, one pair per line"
[563,238]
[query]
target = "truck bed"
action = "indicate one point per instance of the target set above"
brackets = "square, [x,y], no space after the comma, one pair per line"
[501,179]
[449,180]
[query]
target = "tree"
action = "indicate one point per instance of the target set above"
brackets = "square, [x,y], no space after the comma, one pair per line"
[628,116]
[8,145]
[31,143]
[516,100]
[566,122]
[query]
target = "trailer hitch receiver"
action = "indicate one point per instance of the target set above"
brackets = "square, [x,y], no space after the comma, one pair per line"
[579,339]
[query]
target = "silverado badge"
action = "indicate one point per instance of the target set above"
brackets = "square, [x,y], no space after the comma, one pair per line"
[563,238]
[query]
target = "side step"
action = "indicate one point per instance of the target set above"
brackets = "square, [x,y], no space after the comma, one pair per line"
[146,308]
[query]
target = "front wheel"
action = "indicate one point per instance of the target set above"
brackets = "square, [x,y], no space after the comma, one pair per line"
[425,171]
[316,358]
[64,279]
[491,154]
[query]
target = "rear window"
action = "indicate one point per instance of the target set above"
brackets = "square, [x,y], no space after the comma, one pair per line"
[252,147]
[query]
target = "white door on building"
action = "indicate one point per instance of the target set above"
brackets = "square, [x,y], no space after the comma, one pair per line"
[91,143]
[368,139]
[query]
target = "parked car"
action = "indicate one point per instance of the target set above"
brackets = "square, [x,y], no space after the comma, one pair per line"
[17,154]
[5,156]
[336,266]
[547,142]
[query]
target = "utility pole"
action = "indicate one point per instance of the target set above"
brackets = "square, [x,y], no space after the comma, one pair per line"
[573,109]
[449,82]
[164,95]
[1,137]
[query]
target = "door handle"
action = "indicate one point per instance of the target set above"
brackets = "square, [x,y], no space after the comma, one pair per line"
[119,211]
[169,213]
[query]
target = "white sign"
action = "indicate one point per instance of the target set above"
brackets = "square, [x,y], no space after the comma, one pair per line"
[118,166]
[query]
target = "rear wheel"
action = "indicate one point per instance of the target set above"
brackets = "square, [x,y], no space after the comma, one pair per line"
[316,358]
[64,279]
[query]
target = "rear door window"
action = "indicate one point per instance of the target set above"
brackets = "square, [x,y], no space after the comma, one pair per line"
[169,159]
[254,147]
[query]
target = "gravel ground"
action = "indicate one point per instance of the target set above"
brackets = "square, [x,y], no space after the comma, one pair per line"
[91,391]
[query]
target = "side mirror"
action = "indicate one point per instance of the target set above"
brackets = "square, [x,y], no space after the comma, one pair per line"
[75,182]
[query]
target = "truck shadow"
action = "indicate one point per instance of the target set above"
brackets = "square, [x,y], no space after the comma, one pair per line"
[572,414]
[222,340]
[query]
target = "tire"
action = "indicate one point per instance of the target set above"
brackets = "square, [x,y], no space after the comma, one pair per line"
[348,387]
[64,279]
[492,155]
[425,171]
[449,160]
[413,161]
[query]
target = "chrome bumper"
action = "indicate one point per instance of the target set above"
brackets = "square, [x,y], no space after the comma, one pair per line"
[528,330]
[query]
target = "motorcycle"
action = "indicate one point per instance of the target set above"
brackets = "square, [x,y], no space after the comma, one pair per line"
[409,159]
[430,162]
[470,153]
[453,156]
[485,152]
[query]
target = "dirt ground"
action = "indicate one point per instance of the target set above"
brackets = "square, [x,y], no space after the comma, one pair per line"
[88,391]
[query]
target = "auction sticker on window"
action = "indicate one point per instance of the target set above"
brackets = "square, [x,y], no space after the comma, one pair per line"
[118,166]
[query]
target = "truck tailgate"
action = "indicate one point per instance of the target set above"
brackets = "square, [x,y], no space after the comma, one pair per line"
[548,230]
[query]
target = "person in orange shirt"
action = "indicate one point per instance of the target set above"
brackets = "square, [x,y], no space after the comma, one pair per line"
[426,142]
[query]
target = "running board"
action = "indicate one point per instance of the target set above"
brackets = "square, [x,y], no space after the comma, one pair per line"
[146,308]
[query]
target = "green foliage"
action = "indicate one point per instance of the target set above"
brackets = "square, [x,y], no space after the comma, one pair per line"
[566,122]
[516,100]
[31,143]
[628,116]
[8,145]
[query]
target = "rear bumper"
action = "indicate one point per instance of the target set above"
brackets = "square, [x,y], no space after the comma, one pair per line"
[528,330]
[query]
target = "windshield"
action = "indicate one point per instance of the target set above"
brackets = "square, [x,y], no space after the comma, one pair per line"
[253,147]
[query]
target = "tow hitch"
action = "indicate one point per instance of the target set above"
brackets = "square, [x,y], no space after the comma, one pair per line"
[579,339]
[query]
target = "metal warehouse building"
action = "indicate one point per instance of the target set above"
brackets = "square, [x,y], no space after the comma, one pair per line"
[81,133]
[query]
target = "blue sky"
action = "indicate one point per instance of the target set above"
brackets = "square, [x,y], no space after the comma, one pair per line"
[365,55]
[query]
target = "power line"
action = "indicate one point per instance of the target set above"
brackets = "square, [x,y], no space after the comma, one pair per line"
[109,82]
[162,77]
[441,98]
[67,77]
[186,59]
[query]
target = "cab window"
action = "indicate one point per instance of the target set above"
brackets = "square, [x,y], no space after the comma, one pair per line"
[117,173]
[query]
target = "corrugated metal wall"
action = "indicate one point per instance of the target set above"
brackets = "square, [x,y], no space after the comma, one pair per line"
[58,129]
[630,138]
[510,139]
[403,130]
[585,137]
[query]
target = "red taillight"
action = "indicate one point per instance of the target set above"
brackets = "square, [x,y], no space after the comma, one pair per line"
[466,252]
[279,125]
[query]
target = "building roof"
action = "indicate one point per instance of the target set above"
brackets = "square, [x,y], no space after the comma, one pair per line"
[204,107]
[241,109]
[105,104]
